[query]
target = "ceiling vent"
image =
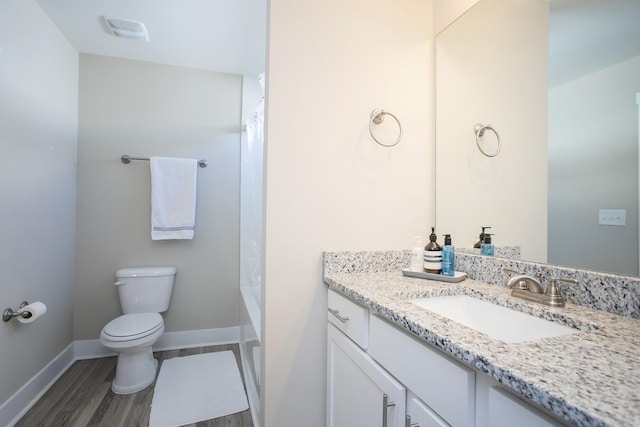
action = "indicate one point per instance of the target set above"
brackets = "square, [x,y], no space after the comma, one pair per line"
[127,28]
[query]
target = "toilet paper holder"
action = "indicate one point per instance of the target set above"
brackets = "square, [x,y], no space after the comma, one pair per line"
[9,313]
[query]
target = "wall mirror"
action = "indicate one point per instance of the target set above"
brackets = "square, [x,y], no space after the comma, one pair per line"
[558,81]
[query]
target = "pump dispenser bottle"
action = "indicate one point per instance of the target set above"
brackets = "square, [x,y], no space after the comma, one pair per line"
[433,255]
[481,238]
[417,255]
[487,246]
[448,257]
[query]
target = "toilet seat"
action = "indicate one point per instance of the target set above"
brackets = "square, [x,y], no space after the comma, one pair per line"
[130,327]
[131,337]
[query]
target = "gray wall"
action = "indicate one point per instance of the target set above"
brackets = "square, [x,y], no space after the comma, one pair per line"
[38,139]
[143,109]
[593,164]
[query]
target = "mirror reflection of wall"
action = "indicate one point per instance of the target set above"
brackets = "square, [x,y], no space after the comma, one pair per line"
[594,76]
[592,129]
[491,68]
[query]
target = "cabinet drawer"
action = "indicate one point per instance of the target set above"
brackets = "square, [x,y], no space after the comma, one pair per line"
[350,318]
[445,385]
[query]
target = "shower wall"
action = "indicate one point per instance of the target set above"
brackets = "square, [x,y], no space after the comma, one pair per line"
[251,188]
[251,237]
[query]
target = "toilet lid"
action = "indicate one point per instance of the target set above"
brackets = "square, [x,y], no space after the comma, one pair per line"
[132,326]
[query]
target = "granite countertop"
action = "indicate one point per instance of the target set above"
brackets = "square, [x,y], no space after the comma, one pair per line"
[589,378]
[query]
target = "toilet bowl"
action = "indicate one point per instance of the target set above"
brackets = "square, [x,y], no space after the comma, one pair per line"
[144,293]
[131,336]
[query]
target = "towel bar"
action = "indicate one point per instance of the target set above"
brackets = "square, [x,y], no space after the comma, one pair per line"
[127,159]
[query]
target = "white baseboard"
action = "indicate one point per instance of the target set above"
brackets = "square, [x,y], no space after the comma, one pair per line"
[17,405]
[197,338]
[22,400]
[92,349]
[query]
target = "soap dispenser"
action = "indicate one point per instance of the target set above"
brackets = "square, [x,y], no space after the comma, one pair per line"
[417,255]
[433,255]
[448,257]
[487,247]
[479,243]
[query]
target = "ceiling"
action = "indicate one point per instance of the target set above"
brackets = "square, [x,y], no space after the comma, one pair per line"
[587,35]
[230,35]
[226,36]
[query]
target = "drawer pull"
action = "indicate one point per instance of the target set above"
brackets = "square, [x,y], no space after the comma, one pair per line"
[407,422]
[385,406]
[336,313]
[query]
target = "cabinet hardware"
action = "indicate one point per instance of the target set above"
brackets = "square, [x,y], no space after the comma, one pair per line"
[385,406]
[407,422]
[336,313]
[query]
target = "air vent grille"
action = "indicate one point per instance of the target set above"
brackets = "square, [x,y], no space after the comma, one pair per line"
[127,28]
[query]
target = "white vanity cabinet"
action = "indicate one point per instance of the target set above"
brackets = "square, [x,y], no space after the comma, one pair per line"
[369,357]
[444,385]
[359,391]
[420,415]
[505,407]
[350,318]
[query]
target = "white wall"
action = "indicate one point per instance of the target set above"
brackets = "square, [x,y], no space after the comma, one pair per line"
[144,109]
[38,139]
[328,185]
[447,11]
[593,164]
[491,68]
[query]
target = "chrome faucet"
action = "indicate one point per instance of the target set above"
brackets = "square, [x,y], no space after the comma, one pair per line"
[530,288]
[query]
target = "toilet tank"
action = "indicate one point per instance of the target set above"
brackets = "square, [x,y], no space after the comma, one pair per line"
[145,289]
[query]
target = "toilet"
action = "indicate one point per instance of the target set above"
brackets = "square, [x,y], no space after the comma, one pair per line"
[144,293]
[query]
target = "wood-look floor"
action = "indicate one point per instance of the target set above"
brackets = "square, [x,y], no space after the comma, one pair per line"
[83,397]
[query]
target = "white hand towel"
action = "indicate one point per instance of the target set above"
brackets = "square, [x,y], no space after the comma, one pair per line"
[173,198]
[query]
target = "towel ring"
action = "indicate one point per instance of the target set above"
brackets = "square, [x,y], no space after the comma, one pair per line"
[377,117]
[480,129]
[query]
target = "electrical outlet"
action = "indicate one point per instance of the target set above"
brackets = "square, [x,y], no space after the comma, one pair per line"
[612,217]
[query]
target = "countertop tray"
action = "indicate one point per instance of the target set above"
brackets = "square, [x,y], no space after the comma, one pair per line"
[457,277]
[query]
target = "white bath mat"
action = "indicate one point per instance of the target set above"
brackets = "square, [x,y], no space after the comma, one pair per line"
[197,388]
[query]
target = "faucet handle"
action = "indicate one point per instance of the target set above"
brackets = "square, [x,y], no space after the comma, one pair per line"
[564,280]
[555,297]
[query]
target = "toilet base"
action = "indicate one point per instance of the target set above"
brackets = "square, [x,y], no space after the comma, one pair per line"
[135,371]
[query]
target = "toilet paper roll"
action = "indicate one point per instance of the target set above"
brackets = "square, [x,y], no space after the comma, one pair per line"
[35,310]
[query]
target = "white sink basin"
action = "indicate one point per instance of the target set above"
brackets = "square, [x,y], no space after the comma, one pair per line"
[498,322]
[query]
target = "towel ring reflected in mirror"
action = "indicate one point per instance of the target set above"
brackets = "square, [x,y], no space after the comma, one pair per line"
[377,117]
[480,130]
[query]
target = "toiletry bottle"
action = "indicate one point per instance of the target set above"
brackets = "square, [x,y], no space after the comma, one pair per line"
[487,246]
[417,255]
[448,257]
[480,241]
[433,255]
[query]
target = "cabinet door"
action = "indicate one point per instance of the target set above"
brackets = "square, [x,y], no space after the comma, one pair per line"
[445,385]
[420,415]
[359,391]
